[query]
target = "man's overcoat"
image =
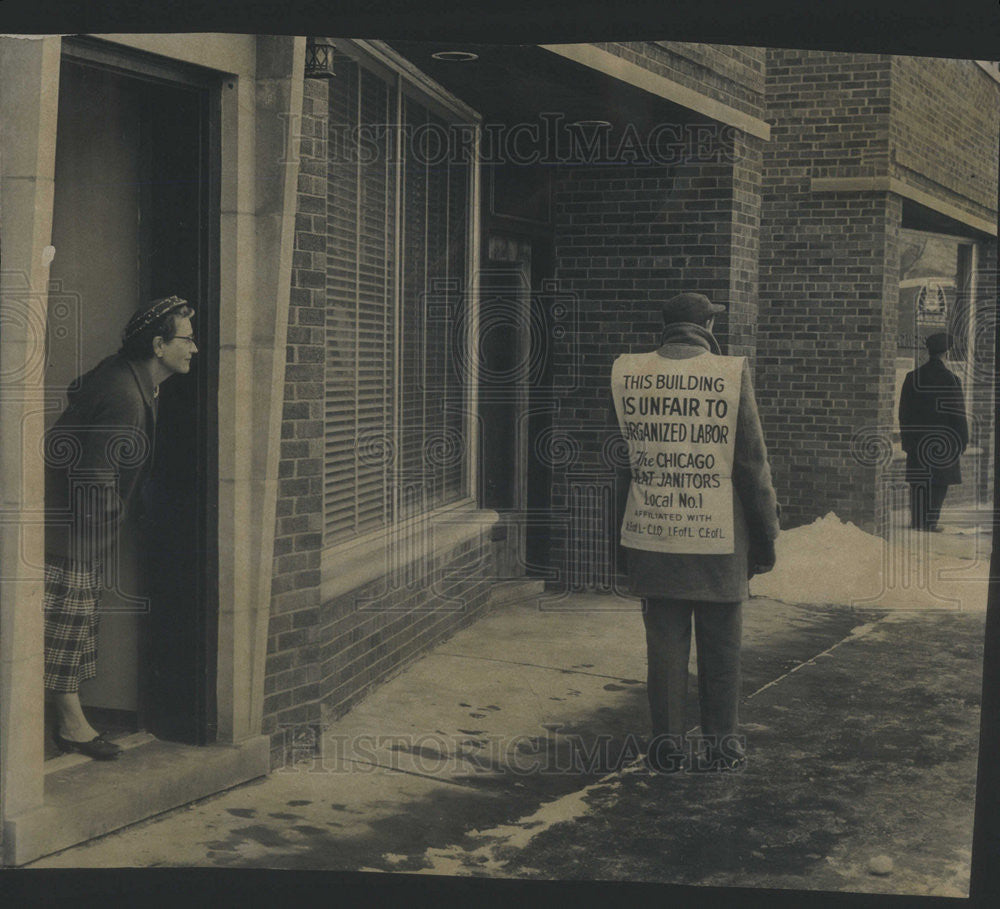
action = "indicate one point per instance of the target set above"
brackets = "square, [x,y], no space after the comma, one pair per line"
[932,424]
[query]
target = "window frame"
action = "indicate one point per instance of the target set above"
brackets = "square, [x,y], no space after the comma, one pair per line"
[459,517]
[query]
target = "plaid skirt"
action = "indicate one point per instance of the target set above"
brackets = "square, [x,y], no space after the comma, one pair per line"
[72,591]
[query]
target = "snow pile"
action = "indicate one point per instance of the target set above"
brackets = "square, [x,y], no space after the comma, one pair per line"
[832,562]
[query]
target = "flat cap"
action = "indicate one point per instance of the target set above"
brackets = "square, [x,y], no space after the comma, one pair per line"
[690,307]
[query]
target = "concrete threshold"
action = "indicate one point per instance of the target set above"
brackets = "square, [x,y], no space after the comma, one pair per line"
[84,798]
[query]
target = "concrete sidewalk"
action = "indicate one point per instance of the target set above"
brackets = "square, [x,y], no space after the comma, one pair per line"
[510,750]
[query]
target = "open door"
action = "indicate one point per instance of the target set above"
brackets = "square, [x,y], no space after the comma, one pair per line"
[135,218]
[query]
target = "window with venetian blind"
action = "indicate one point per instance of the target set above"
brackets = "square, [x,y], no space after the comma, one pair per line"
[398,223]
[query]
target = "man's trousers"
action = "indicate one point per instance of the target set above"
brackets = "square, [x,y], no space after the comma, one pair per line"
[926,501]
[718,630]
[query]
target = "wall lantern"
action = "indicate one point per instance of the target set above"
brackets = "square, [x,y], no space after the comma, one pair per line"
[319,58]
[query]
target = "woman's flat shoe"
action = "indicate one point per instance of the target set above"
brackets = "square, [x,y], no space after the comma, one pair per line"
[98,748]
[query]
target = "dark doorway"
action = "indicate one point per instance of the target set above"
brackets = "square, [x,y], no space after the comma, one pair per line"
[517,324]
[181,235]
[137,153]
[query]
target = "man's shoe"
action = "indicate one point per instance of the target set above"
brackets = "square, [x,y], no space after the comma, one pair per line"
[731,763]
[663,756]
[714,760]
[98,748]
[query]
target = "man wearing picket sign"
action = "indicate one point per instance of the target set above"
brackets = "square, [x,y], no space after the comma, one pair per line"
[700,519]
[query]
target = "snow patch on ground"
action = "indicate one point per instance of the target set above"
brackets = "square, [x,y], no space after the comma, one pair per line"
[500,843]
[834,562]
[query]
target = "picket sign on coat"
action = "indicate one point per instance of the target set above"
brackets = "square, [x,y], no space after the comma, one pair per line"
[711,419]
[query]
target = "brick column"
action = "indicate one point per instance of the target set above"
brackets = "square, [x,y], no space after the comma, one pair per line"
[291,685]
[828,286]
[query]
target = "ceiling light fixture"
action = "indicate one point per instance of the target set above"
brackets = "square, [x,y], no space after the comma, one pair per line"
[455,56]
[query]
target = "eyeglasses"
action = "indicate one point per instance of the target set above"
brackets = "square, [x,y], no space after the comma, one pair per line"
[186,338]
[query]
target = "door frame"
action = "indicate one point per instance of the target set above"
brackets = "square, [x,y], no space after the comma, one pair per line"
[207,85]
[537,401]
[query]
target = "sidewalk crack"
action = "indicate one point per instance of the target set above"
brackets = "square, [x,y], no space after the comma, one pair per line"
[853,634]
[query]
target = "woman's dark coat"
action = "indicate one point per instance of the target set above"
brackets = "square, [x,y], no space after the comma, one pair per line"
[97,457]
[932,424]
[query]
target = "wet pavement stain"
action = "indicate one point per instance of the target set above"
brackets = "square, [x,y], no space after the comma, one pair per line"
[284,816]
[242,812]
[340,806]
[297,803]
[222,846]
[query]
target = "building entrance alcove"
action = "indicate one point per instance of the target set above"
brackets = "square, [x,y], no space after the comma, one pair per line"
[135,217]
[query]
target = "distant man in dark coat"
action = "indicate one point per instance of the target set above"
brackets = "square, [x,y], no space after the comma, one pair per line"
[98,457]
[700,519]
[934,432]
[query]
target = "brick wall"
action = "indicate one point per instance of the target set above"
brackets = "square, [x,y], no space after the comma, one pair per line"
[625,240]
[291,684]
[831,112]
[732,75]
[945,129]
